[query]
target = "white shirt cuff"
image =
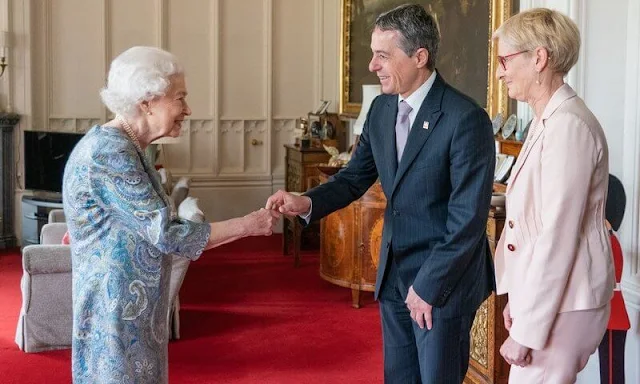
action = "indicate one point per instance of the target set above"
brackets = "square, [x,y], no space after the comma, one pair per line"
[307,217]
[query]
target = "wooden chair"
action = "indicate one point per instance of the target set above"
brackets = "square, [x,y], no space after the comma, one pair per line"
[292,229]
[291,237]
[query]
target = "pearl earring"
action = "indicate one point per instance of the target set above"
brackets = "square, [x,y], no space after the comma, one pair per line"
[538,80]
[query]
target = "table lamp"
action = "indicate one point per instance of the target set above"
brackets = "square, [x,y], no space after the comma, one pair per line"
[369,92]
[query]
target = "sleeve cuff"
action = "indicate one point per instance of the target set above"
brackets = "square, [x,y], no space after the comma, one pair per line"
[435,298]
[531,334]
[307,217]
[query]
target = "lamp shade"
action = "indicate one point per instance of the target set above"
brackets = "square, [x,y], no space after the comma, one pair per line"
[369,92]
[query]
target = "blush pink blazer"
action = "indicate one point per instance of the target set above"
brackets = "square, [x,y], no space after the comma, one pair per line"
[554,253]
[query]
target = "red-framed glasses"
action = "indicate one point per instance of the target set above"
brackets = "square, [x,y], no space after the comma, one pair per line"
[503,60]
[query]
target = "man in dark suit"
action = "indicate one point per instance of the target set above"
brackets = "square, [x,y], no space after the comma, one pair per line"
[433,150]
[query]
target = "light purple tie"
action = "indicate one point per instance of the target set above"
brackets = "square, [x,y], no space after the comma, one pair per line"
[402,127]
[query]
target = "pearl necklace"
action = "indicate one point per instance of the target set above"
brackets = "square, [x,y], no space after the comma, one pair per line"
[129,132]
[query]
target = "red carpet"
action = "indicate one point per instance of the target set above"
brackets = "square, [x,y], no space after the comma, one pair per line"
[247,317]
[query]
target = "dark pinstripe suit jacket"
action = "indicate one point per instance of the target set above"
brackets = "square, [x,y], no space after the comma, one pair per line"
[437,197]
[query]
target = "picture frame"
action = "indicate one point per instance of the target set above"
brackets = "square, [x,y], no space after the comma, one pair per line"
[525,131]
[504,163]
[509,126]
[466,58]
[496,123]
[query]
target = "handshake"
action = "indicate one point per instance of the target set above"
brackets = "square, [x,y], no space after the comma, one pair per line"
[261,222]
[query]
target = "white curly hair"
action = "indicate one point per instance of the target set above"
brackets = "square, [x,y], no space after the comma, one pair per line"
[136,75]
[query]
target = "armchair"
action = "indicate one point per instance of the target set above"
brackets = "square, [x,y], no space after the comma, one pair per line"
[45,321]
[56,216]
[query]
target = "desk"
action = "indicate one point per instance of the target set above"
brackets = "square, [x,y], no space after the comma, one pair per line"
[349,253]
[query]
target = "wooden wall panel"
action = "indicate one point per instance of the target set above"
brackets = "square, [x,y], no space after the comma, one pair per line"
[131,23]
[200,140]
[75,57]
[242,75]
[191,36]
[231,144]
[329,73]
[293,57]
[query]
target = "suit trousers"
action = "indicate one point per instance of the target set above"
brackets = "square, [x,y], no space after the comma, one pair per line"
[413,355]
[574,337]
[611,353]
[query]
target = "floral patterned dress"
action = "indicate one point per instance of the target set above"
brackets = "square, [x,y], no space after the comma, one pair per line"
[123,229]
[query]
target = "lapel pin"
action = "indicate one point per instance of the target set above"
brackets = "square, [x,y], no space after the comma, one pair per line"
[425,125]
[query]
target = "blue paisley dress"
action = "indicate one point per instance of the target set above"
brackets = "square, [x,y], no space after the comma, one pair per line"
[123,228]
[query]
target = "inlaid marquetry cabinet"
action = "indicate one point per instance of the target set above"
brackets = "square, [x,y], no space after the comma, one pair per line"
[350,243]
[349,253]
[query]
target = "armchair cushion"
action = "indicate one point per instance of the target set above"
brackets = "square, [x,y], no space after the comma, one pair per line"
[41,259]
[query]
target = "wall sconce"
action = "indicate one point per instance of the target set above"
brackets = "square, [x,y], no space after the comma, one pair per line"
[5,43]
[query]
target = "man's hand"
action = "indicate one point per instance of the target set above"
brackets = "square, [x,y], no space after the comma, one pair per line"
[420,309]
[288,203]
[260,223]
[515,353]
[506,314]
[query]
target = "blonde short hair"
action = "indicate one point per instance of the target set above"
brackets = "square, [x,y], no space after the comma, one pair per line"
[543,27]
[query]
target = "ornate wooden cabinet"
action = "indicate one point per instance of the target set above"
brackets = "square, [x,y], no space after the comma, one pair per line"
[488,332]
[349,252]
[350,243]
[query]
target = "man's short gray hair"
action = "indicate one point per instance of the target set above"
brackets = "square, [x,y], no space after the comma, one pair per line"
[136,75]
[418,29]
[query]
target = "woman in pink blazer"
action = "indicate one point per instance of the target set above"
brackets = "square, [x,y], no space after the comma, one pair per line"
[554,256]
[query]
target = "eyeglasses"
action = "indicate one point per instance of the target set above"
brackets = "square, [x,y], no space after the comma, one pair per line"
[503,60]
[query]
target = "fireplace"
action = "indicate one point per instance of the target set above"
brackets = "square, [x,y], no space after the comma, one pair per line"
[8,122]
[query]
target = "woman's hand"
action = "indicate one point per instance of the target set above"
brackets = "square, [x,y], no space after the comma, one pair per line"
[258,223]
[261,222]
[515,353]
[506,314]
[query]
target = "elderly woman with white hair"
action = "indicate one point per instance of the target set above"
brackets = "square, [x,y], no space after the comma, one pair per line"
[123,227]
[554,256]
